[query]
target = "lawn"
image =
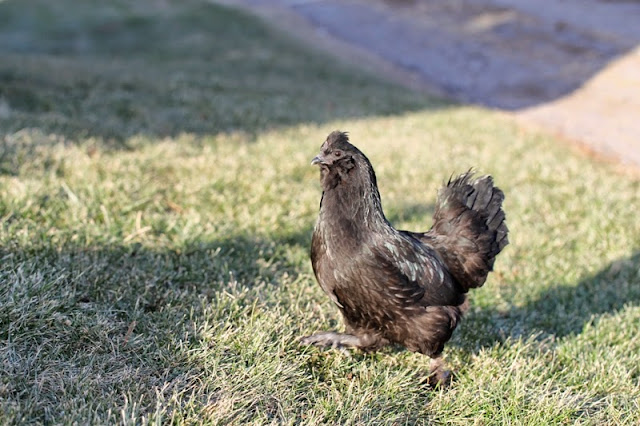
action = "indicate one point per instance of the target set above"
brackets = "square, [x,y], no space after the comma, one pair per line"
[156,208]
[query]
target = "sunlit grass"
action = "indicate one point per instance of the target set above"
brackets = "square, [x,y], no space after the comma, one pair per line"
[156,268]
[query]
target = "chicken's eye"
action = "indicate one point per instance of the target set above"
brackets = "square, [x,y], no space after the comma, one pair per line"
[337,154]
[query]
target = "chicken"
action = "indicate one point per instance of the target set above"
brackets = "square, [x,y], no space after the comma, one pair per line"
[392,286]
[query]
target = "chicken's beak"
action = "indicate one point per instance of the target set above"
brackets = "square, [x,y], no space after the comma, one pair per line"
[318,159]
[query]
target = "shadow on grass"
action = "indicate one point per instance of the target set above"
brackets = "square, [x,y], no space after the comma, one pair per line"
[123,318]
[122,69]
[116,320]
[561,310]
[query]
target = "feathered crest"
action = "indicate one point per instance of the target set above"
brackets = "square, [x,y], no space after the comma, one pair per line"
[337,137]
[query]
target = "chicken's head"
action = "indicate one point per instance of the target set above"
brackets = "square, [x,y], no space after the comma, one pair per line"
[335,150]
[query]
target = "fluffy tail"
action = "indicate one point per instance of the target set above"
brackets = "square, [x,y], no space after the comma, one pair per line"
[469,228]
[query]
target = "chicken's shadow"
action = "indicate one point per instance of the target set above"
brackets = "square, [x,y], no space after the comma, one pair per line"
[560,311]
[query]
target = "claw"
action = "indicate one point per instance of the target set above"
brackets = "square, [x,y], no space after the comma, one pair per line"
[330,339]
[439,376]
[322,339]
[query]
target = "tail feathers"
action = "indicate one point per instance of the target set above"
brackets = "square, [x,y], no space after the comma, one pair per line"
[469,228]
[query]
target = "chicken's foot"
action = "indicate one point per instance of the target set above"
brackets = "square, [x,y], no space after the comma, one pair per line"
[366,341]
[438,374]
[332,339]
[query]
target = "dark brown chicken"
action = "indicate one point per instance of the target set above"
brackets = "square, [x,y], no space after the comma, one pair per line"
[392,286]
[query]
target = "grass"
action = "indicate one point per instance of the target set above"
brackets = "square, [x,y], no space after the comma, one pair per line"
[156,206]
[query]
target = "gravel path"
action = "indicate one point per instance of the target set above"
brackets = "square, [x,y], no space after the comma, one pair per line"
[571,67]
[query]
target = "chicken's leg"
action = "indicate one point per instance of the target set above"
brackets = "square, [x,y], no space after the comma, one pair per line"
[365,342]
[438,374]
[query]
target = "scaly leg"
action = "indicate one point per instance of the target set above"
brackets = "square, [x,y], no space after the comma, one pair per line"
[438,374]
[365,342]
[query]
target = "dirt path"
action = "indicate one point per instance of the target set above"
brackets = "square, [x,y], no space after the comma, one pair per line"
[570,67]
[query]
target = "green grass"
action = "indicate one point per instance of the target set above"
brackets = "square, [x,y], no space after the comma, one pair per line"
[156,206]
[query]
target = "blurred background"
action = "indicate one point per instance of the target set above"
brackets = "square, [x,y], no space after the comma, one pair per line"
[571,67]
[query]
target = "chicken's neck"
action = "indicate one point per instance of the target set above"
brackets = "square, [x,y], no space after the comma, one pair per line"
[352,207]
